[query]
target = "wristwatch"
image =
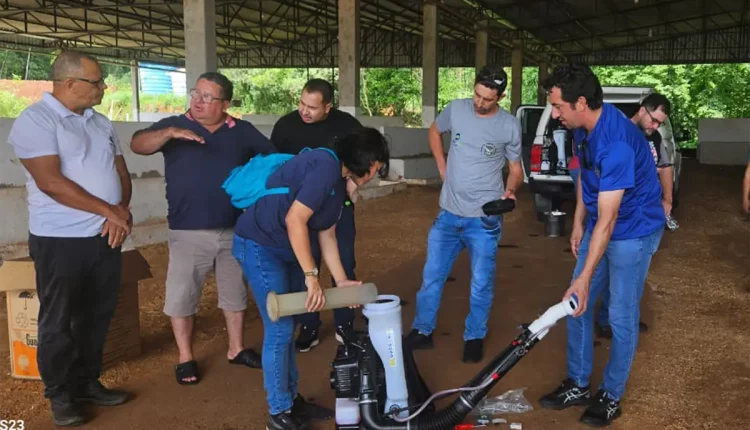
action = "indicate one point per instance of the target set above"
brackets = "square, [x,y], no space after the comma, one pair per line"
[314,272]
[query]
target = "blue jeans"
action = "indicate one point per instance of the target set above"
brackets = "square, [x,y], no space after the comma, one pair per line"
[273,269]
[449,235]
[622,270]
[345,234]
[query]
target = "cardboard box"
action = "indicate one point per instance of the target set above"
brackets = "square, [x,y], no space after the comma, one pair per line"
[18,280]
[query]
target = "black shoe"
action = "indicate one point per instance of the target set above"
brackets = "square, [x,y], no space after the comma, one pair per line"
[285,421]
[306,411]
[308,338]
[566,395]
[417,340]
[94,392]
[344,332]
[603,331]
[473,350]
[602,412]
[65,413]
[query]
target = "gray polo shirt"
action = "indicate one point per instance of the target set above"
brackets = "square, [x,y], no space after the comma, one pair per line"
[87,145]
[478,149]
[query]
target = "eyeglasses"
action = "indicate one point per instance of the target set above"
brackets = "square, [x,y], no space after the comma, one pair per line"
[206,98]
[654,120]
[98,82]
[583,149]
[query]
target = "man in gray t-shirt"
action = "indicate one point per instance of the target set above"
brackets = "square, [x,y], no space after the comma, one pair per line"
[483,136]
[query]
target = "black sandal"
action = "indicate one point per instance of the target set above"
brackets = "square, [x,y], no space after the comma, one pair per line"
[186,370]
[249,358]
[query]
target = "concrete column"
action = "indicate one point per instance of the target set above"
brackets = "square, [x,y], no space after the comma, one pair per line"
[135,84]
[430,42]
[349,52]
[482,46]
[199,17]
[541,97]
[516,80]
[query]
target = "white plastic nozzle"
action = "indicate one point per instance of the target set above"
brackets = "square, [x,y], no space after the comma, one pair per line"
[552,315]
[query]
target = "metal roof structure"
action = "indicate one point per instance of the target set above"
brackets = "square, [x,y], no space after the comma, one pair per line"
[303,33]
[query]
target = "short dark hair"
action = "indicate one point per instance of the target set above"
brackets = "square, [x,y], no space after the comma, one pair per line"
[655,101]
[362,147]
[492,77]
[68,63]
[576,80]
[227,88]
[317,85]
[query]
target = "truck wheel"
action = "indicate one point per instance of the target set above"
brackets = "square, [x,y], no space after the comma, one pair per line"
[541,205]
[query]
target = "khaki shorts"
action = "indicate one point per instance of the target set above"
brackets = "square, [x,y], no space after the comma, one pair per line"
[192,255]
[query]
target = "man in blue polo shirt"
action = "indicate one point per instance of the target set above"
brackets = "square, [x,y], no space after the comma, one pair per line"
[200,149]
[619,189]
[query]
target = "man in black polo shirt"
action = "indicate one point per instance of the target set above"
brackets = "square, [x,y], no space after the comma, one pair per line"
[316,123]
[200,149]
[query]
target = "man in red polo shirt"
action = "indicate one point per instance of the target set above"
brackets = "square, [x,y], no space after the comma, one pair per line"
[200,149]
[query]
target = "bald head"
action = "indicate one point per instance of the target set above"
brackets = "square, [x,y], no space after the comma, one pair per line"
[70,64]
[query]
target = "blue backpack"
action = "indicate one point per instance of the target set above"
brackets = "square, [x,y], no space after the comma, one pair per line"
[247,184]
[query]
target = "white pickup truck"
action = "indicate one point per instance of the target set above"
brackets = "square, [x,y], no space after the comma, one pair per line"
[552,187]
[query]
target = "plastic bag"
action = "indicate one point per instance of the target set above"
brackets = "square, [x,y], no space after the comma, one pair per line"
[510,402]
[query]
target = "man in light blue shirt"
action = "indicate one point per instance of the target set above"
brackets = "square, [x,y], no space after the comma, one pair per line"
[483,136]
[79,190]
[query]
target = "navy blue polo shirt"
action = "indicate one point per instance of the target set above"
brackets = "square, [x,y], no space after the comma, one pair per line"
[194,172]
[620,159]
[314,178]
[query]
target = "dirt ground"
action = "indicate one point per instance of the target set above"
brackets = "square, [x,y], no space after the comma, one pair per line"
[691,369]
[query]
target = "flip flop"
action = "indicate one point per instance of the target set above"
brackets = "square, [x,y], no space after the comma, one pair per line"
[186,370]
[249,358]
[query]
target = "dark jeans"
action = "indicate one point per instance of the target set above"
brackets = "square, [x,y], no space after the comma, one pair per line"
[78,282]
[345,233]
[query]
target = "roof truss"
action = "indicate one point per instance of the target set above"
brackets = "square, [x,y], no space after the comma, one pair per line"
[303,33]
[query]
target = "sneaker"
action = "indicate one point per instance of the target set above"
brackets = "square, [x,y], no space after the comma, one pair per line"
[306,411]
[285,421]
[343,332]
[94,392]
[473,351]
[417,340]
[308,338]
[65,412]
[603,410]
[566,395]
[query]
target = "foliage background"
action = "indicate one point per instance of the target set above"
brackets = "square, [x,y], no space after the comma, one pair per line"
[696,91]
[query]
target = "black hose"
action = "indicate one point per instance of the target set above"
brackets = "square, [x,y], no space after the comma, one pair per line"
[451,415]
